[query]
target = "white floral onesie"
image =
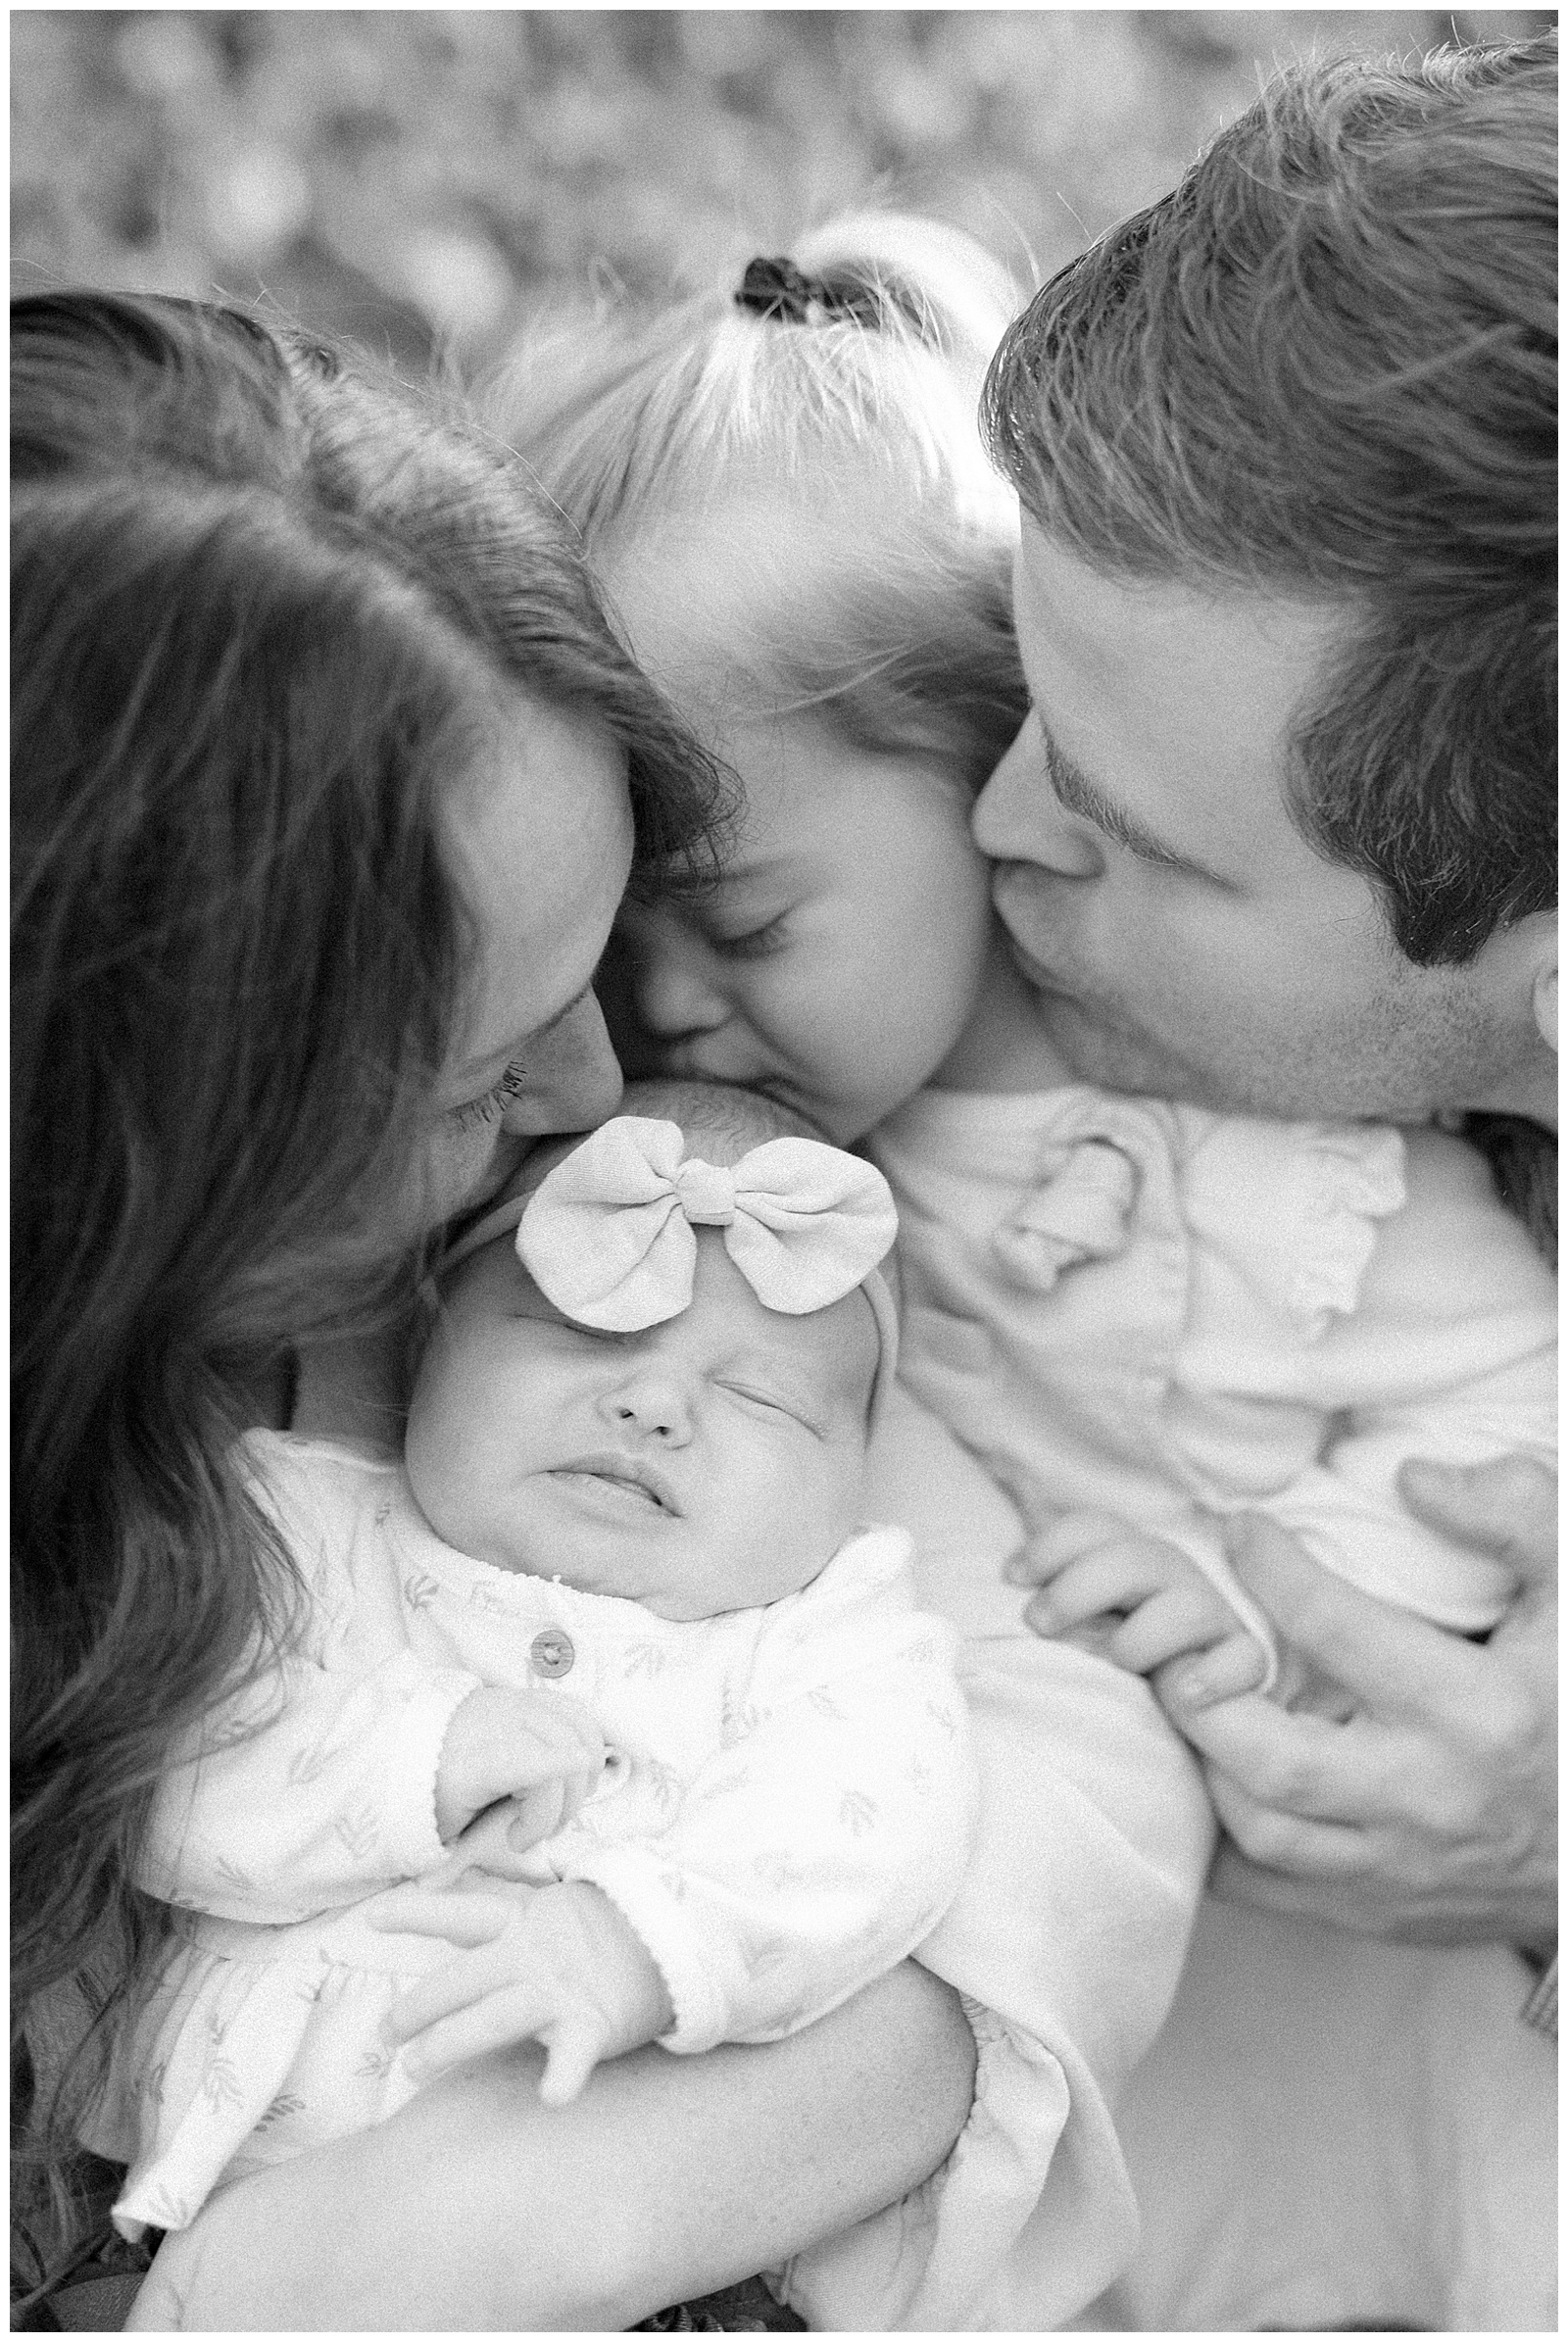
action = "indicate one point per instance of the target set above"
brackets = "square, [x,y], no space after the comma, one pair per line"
[1173,1315]
[786,1814]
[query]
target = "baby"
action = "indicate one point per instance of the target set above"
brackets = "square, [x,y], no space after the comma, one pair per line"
[609,1665]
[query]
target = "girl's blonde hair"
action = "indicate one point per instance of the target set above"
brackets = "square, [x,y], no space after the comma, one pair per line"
[634,416]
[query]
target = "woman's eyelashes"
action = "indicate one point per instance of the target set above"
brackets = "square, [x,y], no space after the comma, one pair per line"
[496,1100]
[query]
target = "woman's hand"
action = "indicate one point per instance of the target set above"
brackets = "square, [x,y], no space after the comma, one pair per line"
[1431,1813]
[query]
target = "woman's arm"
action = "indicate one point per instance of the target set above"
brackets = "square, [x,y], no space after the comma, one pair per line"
[477,2210]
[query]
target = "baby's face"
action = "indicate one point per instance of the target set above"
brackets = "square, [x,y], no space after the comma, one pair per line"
[710,1463]
[839,958]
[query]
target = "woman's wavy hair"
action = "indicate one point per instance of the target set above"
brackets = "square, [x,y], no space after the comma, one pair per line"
[637,416]
[1325,366]
[265,606]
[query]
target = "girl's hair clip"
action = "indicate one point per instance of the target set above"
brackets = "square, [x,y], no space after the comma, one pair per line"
[777,289]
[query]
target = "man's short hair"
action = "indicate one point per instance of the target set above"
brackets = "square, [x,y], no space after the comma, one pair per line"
[1325,368]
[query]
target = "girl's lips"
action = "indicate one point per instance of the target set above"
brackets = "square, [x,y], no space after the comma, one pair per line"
[628,1472]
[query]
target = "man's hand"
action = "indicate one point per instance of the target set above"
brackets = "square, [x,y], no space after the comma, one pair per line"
[1137,1599]
[543,1751]
[1430,1814]
[557,1965]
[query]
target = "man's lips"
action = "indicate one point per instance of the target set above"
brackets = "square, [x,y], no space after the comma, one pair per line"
[628,1472]
[1033,972]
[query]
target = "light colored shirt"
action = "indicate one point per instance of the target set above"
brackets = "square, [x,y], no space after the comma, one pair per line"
[1174,1315]
[787,1812]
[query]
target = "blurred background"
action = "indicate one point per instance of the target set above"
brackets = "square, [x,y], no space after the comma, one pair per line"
[416,177]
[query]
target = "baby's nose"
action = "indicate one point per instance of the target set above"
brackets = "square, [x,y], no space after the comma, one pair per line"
[652,1403]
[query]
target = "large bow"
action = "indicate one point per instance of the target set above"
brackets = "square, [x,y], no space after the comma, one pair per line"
[608,1235]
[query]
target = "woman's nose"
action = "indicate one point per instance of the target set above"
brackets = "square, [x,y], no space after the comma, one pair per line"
[1020,819]
[650,1401]
[670,976]
[573,1080]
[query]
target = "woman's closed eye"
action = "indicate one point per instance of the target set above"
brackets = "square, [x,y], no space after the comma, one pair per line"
[494,1103]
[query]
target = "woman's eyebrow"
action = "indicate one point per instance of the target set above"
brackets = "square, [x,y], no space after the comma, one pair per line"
[1077,794]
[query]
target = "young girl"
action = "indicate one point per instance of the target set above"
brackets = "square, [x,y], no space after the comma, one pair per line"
[1143,1317]
[614,1629]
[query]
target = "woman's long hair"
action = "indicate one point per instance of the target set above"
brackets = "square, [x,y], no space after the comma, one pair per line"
[263,605]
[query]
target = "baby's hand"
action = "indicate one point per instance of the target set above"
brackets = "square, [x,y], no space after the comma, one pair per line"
[552,1964]
[545,1753]
[1138,1600]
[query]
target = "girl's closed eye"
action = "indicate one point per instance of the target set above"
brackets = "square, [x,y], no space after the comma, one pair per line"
[752,942]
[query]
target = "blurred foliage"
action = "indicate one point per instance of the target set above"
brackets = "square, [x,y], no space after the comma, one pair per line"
[409,175]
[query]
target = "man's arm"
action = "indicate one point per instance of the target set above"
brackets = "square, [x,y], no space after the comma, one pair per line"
[1430,1812]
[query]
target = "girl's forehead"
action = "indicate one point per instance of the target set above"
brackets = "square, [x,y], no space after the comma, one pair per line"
[709,592]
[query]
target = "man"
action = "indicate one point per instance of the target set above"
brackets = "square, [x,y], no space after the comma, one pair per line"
[1279,835]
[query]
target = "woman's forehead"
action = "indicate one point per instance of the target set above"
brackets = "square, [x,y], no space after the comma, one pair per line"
[540,833]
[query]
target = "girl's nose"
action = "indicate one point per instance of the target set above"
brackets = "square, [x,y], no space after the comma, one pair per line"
[671,975]
[572,1078]
[650,1401]
[1020,819]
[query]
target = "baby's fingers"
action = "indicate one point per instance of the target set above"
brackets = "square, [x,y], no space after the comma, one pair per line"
[460,1984]
[1237,1664]
[501,2019]
[575,2045]
[1048,1551]
[1189,1617]
[463,1919]
[1117,1576]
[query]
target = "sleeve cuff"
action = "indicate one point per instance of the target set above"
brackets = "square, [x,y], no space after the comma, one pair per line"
[636,1885]
[1540,2005]
[420,1730]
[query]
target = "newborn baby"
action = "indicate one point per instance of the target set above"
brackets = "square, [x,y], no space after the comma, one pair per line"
[608,1665]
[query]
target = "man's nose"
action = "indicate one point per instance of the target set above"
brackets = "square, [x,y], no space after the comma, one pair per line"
[652,1400]
[573,1078]
[1020,819]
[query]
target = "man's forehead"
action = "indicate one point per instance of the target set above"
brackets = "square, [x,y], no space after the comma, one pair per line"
[1175,703]
[1110,618]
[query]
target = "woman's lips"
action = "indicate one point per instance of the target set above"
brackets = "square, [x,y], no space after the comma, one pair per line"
[642,1483]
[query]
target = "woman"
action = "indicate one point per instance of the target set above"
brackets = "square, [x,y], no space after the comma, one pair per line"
[328,776]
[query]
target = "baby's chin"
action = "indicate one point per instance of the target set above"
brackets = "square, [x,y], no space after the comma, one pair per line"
[672,1578]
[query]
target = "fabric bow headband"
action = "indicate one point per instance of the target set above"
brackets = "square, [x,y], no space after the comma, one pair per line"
[609,1235]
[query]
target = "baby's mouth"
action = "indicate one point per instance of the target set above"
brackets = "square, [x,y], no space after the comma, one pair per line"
[620,1479]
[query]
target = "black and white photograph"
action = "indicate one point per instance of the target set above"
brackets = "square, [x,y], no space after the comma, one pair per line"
[784,1170]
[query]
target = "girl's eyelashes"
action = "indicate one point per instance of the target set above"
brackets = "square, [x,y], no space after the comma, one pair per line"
[496,1100]
[753,943]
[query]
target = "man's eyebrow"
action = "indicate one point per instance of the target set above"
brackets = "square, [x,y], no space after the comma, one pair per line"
[1077,794]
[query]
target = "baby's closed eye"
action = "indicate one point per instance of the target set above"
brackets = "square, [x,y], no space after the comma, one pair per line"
[768,1400]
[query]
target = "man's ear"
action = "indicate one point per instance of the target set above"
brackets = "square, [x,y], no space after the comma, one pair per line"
[1518,967]
[1545,988]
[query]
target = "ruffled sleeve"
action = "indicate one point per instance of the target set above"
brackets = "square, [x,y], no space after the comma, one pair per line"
[1294,1209]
